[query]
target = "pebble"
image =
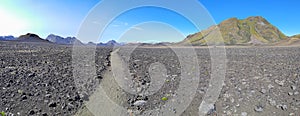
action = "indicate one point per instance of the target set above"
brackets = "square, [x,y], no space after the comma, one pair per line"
[31,75]
[44,114]
[270,86]
[290,93]
[284,107]
[272,102]
[212,109]
[31,112]
[24,97]
[258,109]
[52,104]
[256,77]
[296,93]
[48,95]
[139,102]
[293,87]
[263,91]
[281,83]
[244,114]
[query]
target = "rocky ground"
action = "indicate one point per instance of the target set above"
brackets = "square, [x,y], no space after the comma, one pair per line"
[38,80]
[259,81]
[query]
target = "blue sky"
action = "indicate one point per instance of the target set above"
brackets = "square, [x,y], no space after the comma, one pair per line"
[64,17]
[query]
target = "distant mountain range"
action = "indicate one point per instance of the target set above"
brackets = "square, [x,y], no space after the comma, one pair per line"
[30,37]
[7,37]
[254,30]
[250,31]
[60,40]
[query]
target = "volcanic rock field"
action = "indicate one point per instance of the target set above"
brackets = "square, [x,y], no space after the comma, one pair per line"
[39,79]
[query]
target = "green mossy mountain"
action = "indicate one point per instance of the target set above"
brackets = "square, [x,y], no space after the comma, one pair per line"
[252,30]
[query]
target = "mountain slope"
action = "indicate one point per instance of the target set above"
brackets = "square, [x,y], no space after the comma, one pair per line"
[252,30]
[292,41]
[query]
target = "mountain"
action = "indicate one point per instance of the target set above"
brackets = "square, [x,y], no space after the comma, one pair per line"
[91,44]
[112,43]
[30,37]
[7,38]
[296,36]
[252,30]
[60,40]
[109,43]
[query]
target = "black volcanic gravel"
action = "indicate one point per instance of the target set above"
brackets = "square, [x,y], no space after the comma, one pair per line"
[37,79]
[259,81]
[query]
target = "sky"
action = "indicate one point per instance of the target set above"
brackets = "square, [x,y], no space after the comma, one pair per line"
[64,18]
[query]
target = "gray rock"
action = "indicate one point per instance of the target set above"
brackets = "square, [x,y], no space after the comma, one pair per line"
[52,104]
[259,109]
[31,112]
[292,114]
[244,114]
[281,83]
[139,102]
[263,91]
[270,86]
[293,87]
[24,97]
[272,102]
[284,107]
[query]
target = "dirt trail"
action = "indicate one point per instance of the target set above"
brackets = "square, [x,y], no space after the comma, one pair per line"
[106,97]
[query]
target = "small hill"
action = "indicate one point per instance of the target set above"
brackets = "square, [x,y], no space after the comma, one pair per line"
[252,30]
[30,37]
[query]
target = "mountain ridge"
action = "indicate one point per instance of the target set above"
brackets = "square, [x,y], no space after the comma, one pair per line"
[60,40]
[234,31]
[52,38]
[254,30]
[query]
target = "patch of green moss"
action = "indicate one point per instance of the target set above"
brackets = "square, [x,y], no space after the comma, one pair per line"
[164,98]
[2,113]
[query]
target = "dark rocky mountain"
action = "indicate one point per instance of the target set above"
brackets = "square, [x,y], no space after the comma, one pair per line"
[109,43]
[252,30]
[30,37]
[7,38]
[112,43]
[60,40]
